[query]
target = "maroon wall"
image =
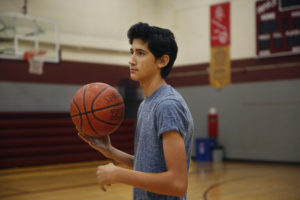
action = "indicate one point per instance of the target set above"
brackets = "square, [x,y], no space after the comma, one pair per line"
[67,72]
[243,70]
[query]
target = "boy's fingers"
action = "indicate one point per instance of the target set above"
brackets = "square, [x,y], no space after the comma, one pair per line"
[83,136]
[103,188]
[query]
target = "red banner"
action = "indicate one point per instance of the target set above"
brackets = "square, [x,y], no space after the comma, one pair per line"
[220,24]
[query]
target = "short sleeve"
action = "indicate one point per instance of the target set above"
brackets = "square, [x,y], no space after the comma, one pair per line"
[170,115]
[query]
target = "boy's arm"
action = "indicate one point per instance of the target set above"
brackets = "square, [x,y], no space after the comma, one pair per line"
[122,157]
[103,145]
[173,182]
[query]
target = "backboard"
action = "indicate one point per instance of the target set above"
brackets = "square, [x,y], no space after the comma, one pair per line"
[21,33]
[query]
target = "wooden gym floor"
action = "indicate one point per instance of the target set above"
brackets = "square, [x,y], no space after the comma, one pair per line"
[207,181]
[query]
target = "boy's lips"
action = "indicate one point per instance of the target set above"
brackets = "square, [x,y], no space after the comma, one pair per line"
[132,70]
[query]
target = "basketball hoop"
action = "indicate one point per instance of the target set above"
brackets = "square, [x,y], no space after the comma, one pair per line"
[36,61]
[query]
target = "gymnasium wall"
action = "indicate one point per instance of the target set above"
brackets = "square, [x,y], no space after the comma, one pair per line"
[190,22]
[95,31]
[92,30]
[256,122]
[259,112]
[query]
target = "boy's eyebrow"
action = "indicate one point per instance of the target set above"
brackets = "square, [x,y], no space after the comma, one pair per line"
[131,50]
[141,50]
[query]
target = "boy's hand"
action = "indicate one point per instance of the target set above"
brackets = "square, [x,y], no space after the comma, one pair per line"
[101,144]
[105,175]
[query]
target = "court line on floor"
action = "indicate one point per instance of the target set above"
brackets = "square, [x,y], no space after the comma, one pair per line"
[54,167]
[210,188]
[48,190]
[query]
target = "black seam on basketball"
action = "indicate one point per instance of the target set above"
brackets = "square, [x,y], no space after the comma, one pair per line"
[103,108]
[92,105]
[79,113]
[106,122]
[98,109]
[86,114]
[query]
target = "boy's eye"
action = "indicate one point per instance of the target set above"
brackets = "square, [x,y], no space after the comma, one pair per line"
[137,52]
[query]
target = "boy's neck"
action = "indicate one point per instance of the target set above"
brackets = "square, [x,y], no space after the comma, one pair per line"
[150,87]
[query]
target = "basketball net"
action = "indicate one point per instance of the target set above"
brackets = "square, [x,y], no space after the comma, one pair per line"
[36,61]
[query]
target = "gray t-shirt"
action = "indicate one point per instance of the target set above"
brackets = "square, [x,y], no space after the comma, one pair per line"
[163,111]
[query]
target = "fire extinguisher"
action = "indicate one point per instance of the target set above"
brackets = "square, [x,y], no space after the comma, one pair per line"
[212,120]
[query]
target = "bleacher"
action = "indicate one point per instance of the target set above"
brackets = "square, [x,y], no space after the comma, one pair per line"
[40,138]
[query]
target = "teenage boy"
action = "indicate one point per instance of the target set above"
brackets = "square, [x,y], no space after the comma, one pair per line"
[163,139]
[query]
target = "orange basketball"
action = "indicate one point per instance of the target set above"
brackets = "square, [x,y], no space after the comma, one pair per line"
[97,109]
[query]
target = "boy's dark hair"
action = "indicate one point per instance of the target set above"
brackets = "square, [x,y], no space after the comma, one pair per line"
[160,42]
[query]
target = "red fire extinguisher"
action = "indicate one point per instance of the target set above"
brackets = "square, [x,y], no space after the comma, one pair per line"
[212,123]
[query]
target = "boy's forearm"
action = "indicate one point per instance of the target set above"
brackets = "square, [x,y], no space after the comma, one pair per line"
[166,183]
[122,157]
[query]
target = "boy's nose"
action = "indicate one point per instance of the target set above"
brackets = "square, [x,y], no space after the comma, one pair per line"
[132,61]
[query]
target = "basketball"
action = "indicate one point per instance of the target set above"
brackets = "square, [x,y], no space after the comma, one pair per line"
[97,109]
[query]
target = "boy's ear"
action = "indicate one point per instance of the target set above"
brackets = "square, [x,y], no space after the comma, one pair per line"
[163,61]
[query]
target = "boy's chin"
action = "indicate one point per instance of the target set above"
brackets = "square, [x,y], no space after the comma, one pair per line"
[133,77]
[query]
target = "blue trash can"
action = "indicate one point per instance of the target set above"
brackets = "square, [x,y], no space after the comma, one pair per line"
[204,148]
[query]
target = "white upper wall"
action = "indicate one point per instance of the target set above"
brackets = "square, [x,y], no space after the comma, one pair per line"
[193,27]
[95,30]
